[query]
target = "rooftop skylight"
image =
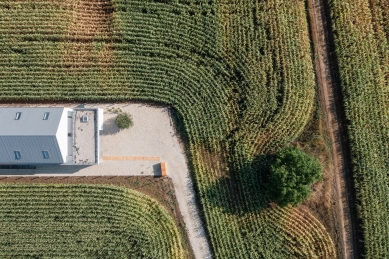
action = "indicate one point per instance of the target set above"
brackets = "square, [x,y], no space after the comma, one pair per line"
[18,114]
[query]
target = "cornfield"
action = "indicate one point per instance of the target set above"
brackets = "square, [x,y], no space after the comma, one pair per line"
[239,74]
[84,221]
[361,40]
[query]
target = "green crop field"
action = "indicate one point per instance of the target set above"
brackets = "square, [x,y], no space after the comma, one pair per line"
[84,221]
[361,29]
[238,73]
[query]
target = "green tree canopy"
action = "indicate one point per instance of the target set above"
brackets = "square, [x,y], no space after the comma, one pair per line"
[291,175]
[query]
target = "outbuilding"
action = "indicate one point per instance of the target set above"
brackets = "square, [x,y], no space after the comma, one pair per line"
[50,135]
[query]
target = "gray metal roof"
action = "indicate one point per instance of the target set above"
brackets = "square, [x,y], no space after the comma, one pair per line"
[31,122]
[31,150]
[30,135]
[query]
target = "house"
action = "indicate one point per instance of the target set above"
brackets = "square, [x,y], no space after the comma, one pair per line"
[50,135]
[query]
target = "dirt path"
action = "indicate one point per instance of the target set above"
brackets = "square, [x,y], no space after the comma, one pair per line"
[327,94]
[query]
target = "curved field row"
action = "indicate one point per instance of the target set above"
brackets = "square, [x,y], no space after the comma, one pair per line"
[295,234]
[84,221]
[238,73]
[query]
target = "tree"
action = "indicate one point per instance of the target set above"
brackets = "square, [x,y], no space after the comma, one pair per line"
[124,120]
[291,175]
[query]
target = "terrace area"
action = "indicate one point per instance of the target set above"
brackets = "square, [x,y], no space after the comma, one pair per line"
[86,144]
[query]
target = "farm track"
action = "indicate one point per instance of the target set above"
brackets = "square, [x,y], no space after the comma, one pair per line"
[328,91]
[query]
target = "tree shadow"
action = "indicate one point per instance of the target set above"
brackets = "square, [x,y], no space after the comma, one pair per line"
[110,127]
[244,190]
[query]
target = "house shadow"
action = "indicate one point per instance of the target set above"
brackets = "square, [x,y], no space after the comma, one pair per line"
[48,170]
[110,127]
[129,168]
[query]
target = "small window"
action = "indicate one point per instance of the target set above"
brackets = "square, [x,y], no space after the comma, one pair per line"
[45,154]
[17,155]
[18,114]
[46,116]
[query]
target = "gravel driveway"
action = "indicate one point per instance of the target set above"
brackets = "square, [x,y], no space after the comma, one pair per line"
[152,136]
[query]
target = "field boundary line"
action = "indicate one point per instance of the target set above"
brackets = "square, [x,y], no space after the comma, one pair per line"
[327,90]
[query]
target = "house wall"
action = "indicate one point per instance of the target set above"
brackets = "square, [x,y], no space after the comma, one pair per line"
[100,126]
[100,119]
[62,134]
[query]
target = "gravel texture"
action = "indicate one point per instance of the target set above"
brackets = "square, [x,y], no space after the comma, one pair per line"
[152,135]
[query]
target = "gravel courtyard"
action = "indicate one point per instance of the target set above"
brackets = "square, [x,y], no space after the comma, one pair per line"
[137,151]
[150,141]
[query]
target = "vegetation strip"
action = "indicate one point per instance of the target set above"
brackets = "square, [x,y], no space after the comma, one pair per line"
[361,43]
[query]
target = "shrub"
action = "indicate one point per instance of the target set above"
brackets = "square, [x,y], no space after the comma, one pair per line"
[124,121]
[291,175]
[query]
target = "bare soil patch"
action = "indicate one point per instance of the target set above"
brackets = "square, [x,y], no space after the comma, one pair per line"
[315,140]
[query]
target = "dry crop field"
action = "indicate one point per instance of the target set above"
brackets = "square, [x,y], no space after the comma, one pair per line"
[238,73]
[361,32]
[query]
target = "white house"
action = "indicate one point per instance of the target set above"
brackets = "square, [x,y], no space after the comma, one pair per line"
[50,135]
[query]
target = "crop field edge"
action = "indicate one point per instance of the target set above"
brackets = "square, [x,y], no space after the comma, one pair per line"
[154,187]
[341,115]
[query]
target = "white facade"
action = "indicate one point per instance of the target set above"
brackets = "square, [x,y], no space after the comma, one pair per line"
[62,134]
[49,135]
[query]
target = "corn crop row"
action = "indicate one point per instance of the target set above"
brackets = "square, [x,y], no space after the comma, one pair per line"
[238,72]
[84,221]
[361,40]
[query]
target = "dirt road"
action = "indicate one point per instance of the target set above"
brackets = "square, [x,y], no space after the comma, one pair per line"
[327,95]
